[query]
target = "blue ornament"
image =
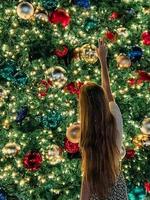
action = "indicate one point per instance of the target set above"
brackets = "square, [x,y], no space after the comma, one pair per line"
[82,3]
[135,54]
[51,120]
[21,114]
[90,25]
[2,194]
[137,193]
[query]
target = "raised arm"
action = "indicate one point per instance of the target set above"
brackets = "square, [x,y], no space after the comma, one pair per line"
[105,81]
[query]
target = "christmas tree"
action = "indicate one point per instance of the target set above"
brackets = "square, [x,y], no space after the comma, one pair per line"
[47,53]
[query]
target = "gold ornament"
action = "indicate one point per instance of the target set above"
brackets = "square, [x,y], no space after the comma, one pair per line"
[6,124]
[123,61]
[11,149]
[25,10]
[57,75]
[73,133]
[88,53]
[146,126]
[141,140]
[54,154]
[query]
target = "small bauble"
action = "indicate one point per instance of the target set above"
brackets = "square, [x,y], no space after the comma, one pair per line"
[11,149]
[54,154]
[122,32]
[111,36]
[42,16]
[141,140]
[90,25]
[6,124]
[25,10]
[73,133]
[114,16]
[88,53]
[71,147]
[130,153]
[147,187]
[61,52]
[123,61]
[32,161]
[82,3]
[3,195]
[57,75]
[146,126]
[76,54]
[146,38]
[135,54]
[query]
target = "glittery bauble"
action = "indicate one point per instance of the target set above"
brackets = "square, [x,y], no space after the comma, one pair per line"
[135,54]
[73,133]
[25,10]
[42,16]
[130,153]
[88,53]
[71,147]
[32,161]
[123,61]
[90,25]
[141,139]
[3,195]
[145,36]
[57,75]
[54,154]
[11,149]
[146,126]
[111,36]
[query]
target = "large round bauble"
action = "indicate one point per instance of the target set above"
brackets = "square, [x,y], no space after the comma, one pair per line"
[88,53]
[54,154]
[11,149]
[57,75]
[73,133]
[32,160]
[145,128]
[123,61]
[25,10]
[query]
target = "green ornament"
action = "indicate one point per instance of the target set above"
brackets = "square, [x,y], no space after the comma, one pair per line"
[50,5]
[90,25]
[137,193]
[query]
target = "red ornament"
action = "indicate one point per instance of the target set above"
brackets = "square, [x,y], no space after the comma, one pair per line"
[61,52]
[71,147]
[74,87]
[146,38]
[114,15]
[59,16]
[130,153]
[147,187]
[32,161]
[46,84]
[112,36]
[141,77]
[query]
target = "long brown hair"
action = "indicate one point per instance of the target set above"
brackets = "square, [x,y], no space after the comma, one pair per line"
[100,154]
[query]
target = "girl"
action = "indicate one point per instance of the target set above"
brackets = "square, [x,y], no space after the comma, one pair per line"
[101,139]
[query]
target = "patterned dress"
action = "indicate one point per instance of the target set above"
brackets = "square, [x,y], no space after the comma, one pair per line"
[118,191]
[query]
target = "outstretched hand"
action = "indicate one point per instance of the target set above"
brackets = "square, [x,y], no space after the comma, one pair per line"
[101,50]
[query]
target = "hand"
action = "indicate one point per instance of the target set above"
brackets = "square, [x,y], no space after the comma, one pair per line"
[101,50]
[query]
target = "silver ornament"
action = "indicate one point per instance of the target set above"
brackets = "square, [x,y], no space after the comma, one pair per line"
[146,126]
[57,75]
[42,16]
[25,10]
